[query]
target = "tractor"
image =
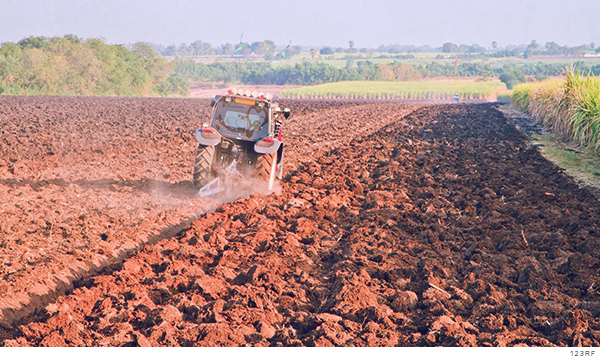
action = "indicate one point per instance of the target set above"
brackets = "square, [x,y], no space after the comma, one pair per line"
[241,142]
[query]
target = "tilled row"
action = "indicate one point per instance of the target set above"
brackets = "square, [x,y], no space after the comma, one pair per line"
[444,228]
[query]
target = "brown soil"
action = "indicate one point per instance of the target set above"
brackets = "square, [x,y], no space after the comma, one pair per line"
[85,182]
[443,227]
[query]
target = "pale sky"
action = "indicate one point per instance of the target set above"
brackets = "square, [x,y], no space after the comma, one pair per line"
[369,23]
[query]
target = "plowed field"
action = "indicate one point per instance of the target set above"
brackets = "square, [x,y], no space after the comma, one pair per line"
[396,225]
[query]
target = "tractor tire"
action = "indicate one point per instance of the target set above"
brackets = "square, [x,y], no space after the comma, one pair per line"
[202,166]
[264,163]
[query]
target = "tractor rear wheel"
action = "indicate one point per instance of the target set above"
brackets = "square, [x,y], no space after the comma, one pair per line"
[264,164]
[202,166]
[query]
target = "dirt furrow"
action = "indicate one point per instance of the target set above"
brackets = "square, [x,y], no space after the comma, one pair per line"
[443,228]
[86,182]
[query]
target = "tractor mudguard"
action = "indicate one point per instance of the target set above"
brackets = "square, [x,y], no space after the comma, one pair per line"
[263,147]
[206,138]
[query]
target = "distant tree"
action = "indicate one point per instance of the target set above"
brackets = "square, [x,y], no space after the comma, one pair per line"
[270,46]
[369,71]
[183,50]
[339,50]
[313,52]
[263,47]
[534,45]
[326,51]
[551,46]
[494,45]
[351,47]
[592,45]
[258,47]
[449,47]
[226,49]
[577,50]
[531,48]
[295,50]
[512,76]
[201,48]
[171,50]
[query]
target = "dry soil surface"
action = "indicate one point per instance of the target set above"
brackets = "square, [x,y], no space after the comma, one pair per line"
[86,182]
[441,227]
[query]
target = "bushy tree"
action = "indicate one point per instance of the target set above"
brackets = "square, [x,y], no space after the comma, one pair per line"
[296,50]
[326,51]
[202,48]
[449,47]
[70,65]
[512,76]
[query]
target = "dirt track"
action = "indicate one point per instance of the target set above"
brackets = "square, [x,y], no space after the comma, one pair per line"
[442,228]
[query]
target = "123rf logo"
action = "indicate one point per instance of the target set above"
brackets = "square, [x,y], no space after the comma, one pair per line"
[585,353]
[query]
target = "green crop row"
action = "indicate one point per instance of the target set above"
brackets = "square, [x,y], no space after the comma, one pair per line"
[570,107]
[415,90]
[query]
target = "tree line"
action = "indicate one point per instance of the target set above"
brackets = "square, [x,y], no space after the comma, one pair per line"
[525,51]
[70,65]
[311,73]
[265,49]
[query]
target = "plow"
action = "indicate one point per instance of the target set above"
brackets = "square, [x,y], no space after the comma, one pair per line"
[230,179]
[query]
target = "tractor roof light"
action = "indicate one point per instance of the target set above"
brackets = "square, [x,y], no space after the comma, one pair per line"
[240,92]
[268,96]
[255,94]
[230,91]
[261,95]
[248,93]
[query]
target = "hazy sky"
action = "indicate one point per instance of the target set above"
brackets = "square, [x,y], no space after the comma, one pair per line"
[368,23]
